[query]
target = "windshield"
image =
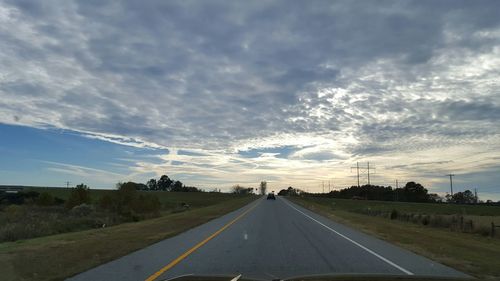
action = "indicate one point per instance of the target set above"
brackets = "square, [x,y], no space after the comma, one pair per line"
[249,140]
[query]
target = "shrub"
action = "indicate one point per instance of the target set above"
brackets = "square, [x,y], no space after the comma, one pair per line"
[128,202]
[79,195]
[30,196]
[58,201]
[82,210]
[45,199]
[14,212]
[146,204]
[106,202]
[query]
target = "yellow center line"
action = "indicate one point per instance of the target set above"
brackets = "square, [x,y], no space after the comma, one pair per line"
[190,251]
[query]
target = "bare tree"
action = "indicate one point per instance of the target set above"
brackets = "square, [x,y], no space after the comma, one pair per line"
[263,187]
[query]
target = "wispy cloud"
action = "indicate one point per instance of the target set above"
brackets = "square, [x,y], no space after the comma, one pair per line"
[398,83]
[85,172]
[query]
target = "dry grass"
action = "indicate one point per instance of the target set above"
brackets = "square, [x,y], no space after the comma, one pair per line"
[471,253]
[60,256]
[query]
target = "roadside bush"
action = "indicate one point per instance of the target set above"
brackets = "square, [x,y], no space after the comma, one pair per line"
[13,232]
[30,221]
[45,199]
[146,203]
[24,228]
[82,210]
[58,201]
[14,212]
[79,195]
[127,201]
[106,202]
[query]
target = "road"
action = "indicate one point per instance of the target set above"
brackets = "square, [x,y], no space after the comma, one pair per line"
[268,240]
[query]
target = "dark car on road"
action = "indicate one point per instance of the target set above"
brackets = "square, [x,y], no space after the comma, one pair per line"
[271,196]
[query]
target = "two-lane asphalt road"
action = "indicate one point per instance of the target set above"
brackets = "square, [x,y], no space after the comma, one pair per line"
[268,240]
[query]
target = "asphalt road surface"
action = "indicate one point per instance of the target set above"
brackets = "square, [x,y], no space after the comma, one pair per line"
[268,240]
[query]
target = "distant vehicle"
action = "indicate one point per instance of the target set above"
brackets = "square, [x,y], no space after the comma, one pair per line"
[271,196]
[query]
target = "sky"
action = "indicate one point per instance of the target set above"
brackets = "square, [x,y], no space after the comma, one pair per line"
[217,93]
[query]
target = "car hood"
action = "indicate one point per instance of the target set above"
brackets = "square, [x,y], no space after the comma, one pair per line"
[334,277]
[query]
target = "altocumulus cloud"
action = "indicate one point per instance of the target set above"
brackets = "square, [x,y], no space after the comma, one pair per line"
[393,82]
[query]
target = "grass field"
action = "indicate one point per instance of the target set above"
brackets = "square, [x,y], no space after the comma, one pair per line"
[470,253]
[59,256]
[409,207]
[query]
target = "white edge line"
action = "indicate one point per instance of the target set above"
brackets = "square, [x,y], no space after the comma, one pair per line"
[352,241]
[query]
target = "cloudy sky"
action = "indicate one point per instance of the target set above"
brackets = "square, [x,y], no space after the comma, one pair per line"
[217,93]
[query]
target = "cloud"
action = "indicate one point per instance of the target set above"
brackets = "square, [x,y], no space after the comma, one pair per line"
[346,80]
[85,172]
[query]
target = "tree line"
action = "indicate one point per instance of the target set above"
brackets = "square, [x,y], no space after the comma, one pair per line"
[238,189]
[411,192]
[165,183]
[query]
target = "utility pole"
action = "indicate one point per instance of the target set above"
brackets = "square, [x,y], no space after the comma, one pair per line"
[475,195]
[329,190]
[368,172]
[67,184]
[396,192]
[368,168]
[323,184]
[451,183]
[357,170]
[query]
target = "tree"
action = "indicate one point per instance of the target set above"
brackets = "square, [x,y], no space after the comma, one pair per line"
[177,186]
[466,197]
[263,187]
[415,192]
[164,183]
[132,185]
[237,189]
[79,195]
[435,198]
[290,191]
[191,189]
[152,184]
[129,202]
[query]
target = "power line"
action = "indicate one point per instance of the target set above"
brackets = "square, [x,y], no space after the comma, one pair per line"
[367,168]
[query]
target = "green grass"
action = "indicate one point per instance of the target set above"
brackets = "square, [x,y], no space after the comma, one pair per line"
[60,256]
[470,253]
[409,207]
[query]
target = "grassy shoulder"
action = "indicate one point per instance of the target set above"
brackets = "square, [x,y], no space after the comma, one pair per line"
[470,253]
[59,256]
